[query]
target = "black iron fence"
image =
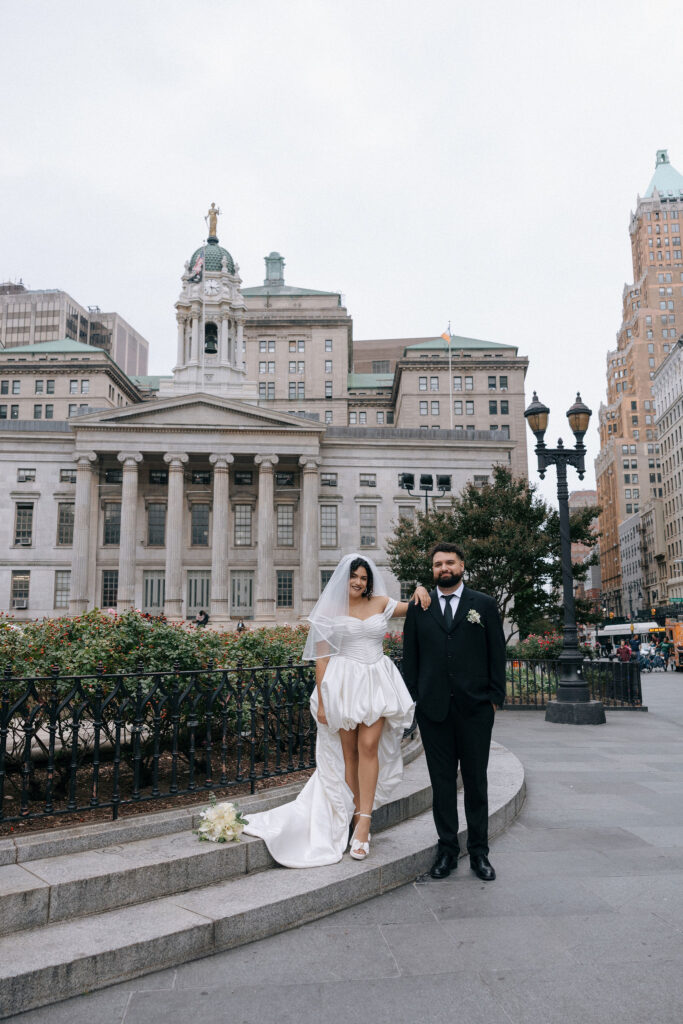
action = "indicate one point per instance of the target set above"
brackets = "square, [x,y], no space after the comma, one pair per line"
[70,745]
[531,684]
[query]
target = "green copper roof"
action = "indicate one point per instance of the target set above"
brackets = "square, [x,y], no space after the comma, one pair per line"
[457,344]
[213,254]
[370,380]
[282,289]
[151,383]
[666,178]
[62,345]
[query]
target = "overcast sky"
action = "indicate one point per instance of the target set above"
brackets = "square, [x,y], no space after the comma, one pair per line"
[471,162]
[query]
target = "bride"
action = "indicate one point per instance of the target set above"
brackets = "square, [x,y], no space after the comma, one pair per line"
[362,707]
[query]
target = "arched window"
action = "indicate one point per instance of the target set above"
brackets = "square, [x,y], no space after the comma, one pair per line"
[210,337]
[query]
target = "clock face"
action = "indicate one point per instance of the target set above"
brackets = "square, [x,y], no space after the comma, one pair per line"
[211,288]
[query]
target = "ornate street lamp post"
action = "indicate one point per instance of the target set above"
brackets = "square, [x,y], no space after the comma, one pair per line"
[572,705]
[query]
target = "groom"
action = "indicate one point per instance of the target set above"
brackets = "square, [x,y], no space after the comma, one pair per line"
[454,667]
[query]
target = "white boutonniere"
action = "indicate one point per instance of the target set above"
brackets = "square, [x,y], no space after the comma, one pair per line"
[474,617]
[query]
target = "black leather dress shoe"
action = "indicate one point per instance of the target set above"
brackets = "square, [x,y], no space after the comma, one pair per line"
[482,868]
[443,865]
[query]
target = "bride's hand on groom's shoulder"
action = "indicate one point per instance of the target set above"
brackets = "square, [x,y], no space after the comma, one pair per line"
[421,597]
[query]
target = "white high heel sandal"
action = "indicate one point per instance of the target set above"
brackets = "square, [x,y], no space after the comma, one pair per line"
[359,850]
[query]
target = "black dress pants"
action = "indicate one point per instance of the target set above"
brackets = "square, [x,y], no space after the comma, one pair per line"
[464,739]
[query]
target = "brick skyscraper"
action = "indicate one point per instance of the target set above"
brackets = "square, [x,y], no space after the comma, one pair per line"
[628,467]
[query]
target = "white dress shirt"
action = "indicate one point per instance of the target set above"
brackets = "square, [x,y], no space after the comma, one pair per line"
[455,597]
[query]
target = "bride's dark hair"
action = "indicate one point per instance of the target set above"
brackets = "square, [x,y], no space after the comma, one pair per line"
[360,563]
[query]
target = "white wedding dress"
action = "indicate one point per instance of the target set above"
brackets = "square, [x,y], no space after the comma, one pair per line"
[360,685]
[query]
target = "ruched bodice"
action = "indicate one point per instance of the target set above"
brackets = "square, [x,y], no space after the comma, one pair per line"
[360,685]
[361,639]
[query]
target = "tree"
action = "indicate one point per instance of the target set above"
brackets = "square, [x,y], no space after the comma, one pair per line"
[511,542]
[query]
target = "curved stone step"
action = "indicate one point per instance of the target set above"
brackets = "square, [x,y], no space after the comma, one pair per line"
[71,883]
[53,962]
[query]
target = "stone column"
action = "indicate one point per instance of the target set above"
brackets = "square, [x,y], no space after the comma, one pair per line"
[129,502]
[220,577]
[78,599]
[173,604]
[240,353]
[223,354]
[181,357]
[309,543]
[194,343]
[265,571]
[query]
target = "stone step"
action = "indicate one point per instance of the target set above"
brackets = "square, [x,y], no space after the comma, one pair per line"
[59,960]
[67,884]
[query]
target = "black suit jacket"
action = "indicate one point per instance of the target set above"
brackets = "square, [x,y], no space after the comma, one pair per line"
[466,662]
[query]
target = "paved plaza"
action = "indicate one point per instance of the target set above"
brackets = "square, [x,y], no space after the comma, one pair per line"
[583,926]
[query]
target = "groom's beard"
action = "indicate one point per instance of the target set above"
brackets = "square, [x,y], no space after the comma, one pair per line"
[448,579]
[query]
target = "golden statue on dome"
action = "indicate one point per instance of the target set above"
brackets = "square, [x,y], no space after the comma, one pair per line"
[212,217]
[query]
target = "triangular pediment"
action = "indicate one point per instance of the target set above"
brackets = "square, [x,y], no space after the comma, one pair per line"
[198,410]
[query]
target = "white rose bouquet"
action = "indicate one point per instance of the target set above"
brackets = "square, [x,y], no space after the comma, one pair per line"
[221,823]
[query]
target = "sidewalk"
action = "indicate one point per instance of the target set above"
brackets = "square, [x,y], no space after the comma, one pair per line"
[584,924]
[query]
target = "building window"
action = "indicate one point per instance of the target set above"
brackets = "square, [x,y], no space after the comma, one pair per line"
[158,476]
[352,419]
[469,384]
[328,416]
[493,408]
[300,391]
[20,588]
[292,366]
[23,524]
[457,407]
[457,383]
[328,479]
[243,477]
[390,417]
[285,526]
[199,525]
[67,476]
[435,409]
[112,523]
[3,412]
[505,429]
[243,514]
[368,480]
[156,524]
[73,387]
[328,526]
[26,476]
[433,383]
[469,408]
[285,588]
[492,383]
[328,389]
[62,588]
[65,523]
[292,391]
[50,387]
[362,418]
[493,427]
[328,344]
[110,588]
[380,418]
[49,411]
[85,387]
[368,526]
[325,577]
[16,387]
[422,383]
[284,479]
[424,408]
[380,366]
[14,412]
[40,385]
[4,387]
[504,407]
[407,512]
[201,476]
[503,383]
[113,476]
[37,412]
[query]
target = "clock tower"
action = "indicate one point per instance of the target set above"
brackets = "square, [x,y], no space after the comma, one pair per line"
[210,311]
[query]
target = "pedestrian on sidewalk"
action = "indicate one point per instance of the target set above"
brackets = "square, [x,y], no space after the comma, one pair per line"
[624,652]
[454,667]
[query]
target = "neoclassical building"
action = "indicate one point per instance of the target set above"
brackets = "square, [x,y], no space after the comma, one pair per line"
[236,483]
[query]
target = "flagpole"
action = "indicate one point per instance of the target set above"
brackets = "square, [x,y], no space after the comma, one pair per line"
[450,374]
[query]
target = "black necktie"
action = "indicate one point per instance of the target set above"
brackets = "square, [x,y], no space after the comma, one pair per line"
[448,611]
